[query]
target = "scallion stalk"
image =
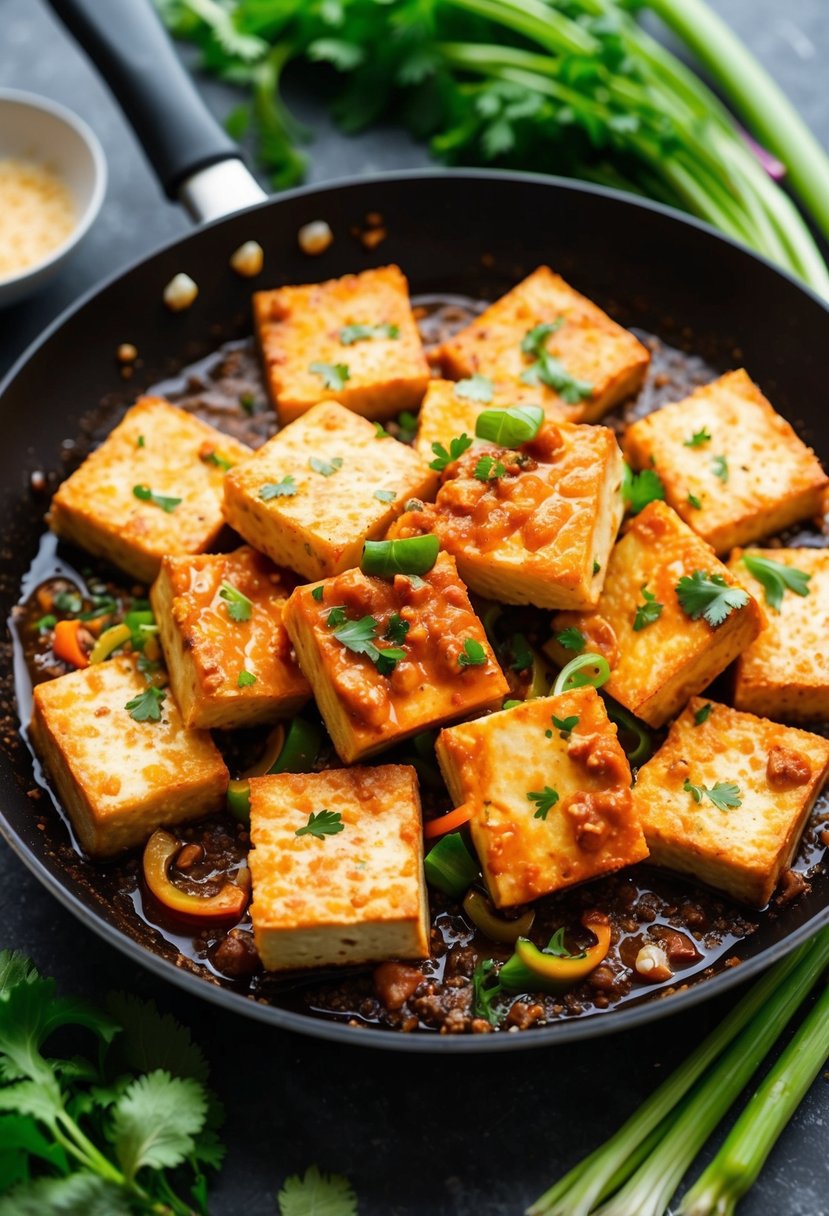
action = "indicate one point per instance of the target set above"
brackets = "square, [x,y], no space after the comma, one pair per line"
[450,866]
[412,555]
[585,669]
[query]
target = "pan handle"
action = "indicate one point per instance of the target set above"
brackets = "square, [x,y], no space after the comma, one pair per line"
[194,159]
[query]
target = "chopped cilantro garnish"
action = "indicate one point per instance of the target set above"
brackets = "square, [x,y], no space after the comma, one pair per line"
[336,617]
[68,602]
[473,654]
[638,489]
[385,495]
[380,431]
[334,375]
[322,824]
[286,488]
[407,426]
[488,469]
[522,655]
[146,707]
[697,439]
[571,639]
[557,948]
[359,637]
[535,339]
[396,629]
[139,443]
[725,795]
[544,801]
[245,679]
[694,502]
[158,500]
[239,607]
[709,596]
[776,578]
[566,725]
[719,467]
[326,467]
[648,612]
[702,713]
[486,990]
[547,369]
[457,447]
[317,594]
[46,623]
[212,457]
[349,334]
[475,388]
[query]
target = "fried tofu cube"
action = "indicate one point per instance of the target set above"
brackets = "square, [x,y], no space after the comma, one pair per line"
[224,671]
[548,784]
[739,841]
[175,462]
[447,670]
[732,468]
[655,669]
[311,496]
[539,533]
[118,778]
[603,362]
[362,321]
[785,672]
[351,891]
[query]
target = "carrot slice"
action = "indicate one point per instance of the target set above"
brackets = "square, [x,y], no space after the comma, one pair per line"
[447,823]
[66,643]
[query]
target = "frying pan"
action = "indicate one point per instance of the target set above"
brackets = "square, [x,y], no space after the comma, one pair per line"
[474,233]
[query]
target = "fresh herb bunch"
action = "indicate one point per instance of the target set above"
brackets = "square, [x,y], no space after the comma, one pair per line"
[113,1131]
[573,87]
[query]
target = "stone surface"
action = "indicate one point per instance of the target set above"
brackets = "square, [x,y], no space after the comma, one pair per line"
[515,1122]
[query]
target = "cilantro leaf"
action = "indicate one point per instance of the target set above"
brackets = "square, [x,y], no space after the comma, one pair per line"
[156,1120]
[701,715]
[709,596]
[336,616]
[359,637]
[566,725]
[380,431]
[349,334]
[317,1194]
[638,489]
[535,339]
[317,593]
[212,457]
[522,655]
[488,469]
[719,467]
[286,488]
[475,388]
[571,639]
[407,426]
[80,1194]
[776,578]
[334,375]
[145,494]
[544,801]
[694,502]
[457,447]
[396,629]
[239,607]
[486,990]
[46,623]
[725,795]
[326,467]
[648,612]
[146,707]
[149,1040]
[557,948]
[321,824]
[552,372]
[473,654]
[245,679]
[697,439]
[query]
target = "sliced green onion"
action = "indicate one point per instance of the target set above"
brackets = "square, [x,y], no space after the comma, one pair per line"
[238,801]
[639,745]
[511,427]
[110,640]
[585,669]
[414,555]
[300,749]
[141,624]
[450,866]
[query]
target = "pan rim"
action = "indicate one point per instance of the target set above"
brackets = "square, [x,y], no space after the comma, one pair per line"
[581,1027]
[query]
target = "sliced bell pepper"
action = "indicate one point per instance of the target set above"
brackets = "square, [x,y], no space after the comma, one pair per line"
[110,640]
[228,904]
[447,823]
[66,643]
[531,969]
[300,749]
[450,866]
[238,801]
[273,746]
[477,907]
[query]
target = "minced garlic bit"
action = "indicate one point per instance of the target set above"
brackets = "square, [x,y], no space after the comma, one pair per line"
[314,238]
[248,259]
[180,292]
[652,964]
[36,214]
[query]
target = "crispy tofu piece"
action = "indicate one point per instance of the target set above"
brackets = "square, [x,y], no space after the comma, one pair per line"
[785,672]
[318,524]
[366,711]
[587,343]
[779,771]
[445,414]
[119,779]
[207,650]
[300,326]
[653,671]
[355,896]
[540,534]
[770,480]
[168,452]
[495,764]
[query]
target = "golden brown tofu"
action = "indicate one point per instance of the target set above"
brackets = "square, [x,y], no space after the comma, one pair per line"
[447,413]
[732,468]
[337,867]
[550,806]
[596,362]
[655,668]
[726,798]
[311,496]
[541,532]
[153,487]
[362,323]
[228,655]
[118,778]
[447,670]
[785,672]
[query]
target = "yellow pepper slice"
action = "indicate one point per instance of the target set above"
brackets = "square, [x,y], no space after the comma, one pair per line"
[228,904]
[568,970]
[478,909]
[109,640]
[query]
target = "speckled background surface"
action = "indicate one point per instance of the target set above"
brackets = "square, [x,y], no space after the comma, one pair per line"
[418,1136]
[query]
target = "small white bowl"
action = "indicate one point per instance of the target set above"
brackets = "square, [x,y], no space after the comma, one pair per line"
[37,129]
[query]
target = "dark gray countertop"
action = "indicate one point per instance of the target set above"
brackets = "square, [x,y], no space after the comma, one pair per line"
[417,1135]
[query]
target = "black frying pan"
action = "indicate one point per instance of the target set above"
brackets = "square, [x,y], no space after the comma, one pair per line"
[647,265]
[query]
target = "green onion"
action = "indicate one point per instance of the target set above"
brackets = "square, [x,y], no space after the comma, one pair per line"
[450,866]
[414,555]
[511,427]
[640,745]
[585,669]
[238,801]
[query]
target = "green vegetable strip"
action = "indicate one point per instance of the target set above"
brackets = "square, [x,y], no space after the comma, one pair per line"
[576,1193]
[738,1163]
[450,866]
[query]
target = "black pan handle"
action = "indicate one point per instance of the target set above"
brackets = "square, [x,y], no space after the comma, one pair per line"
[128,44]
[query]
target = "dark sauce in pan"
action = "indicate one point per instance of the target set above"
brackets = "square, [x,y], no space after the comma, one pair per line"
[700,929]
